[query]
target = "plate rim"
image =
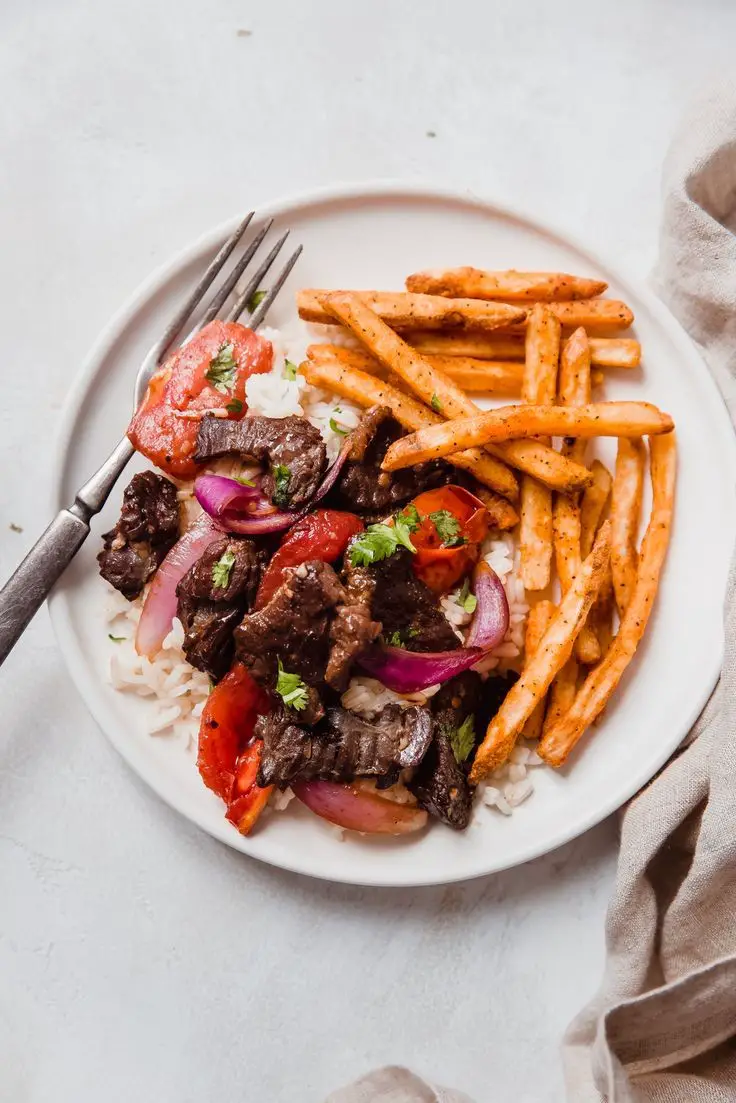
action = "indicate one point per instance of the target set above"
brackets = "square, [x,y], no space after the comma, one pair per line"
[104,345]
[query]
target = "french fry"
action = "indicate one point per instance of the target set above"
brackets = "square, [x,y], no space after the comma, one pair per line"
[536,626]
[562,692]
[402,308]
[539,386]
[554,651]
[593,505]
[475,283]
[600,683]
[596,314]
[366,390]
[598,419]
[605,352]
[628,483]
[472,375]
[446,398]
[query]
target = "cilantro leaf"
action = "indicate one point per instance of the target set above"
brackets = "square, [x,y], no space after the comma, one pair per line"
[116,639]
[221,570]
[465,599]
[235,407]
[289,369]
[462,739]
[221,372]
[398,639]
[336,428]
[255,300]
[379,542]
[409,516]
[448,528]
[281,480]
[242,480]
[436,404]
[291,689]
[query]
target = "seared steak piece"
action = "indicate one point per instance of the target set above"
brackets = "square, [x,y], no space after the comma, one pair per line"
[291,446]
[294,628]
[352,631]
[363,488]
[343,746]
[365,431]
[213,595]
[148,527]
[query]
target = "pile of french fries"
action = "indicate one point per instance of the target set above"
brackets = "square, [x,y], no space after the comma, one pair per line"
[542,340]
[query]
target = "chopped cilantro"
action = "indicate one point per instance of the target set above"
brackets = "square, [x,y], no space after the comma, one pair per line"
[398,639]
[291,689]
[116,639]
[255,300]
[409,516]
[448,528]
[221,570]
[462,739]
[289,369]
[465,599]
[281,480]
[221,372]
[242,480]
[379,542]
[235,407]
[336,428]
[436,404]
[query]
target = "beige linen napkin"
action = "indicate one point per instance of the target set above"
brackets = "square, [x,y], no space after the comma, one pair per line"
[663,1027]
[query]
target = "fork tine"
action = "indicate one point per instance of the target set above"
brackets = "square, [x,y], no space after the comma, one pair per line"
[217,300]
[262,309]
[202,287]
[252,285]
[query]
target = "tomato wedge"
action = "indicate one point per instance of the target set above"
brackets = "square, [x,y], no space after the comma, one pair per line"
[208,373]
[324,534]
[452,525]
[226,728]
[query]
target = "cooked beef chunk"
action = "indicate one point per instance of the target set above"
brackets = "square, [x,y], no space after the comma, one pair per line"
[365,431]
[351,632]
[404,605]
[291,446]
[343,746]
[148,526]
[293,627]
[209,611]
[364,488]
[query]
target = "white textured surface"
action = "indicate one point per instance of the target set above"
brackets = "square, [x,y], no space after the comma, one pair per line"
[139,959]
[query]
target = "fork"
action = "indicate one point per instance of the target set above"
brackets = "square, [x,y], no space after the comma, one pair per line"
[29,586]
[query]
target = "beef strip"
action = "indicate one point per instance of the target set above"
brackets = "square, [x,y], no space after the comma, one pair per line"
[343,746]
[148,527]
[404,604]
[293,627]
[364,488]
[210,613]
[290,444]
[352,631]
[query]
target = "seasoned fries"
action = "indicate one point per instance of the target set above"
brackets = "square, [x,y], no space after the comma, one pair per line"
[539,385]
[593,505]
[366,390]
[474,283]
[597,688]
[446,398]
[599,314]
[537,624]
[554,651]
[402,308]
[605,352]
[598,419]
[628,484]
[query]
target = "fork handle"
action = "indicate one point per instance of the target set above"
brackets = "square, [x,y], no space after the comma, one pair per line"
[26,590]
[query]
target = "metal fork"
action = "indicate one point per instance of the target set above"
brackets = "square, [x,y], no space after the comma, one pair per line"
[27,589]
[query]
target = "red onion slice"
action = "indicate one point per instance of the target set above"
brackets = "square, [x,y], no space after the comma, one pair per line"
[410,671]
[159,608]
[491,621]
[237,508]
[359,810]
[330,478]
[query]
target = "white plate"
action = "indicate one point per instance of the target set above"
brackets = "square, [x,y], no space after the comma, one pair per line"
[372,237]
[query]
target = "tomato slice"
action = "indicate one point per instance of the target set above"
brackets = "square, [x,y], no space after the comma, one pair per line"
[248,799]
[324,534]
[208,373]
[226,728]
[453,525]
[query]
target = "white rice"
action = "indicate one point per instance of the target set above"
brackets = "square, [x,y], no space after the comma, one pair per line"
[178,692]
